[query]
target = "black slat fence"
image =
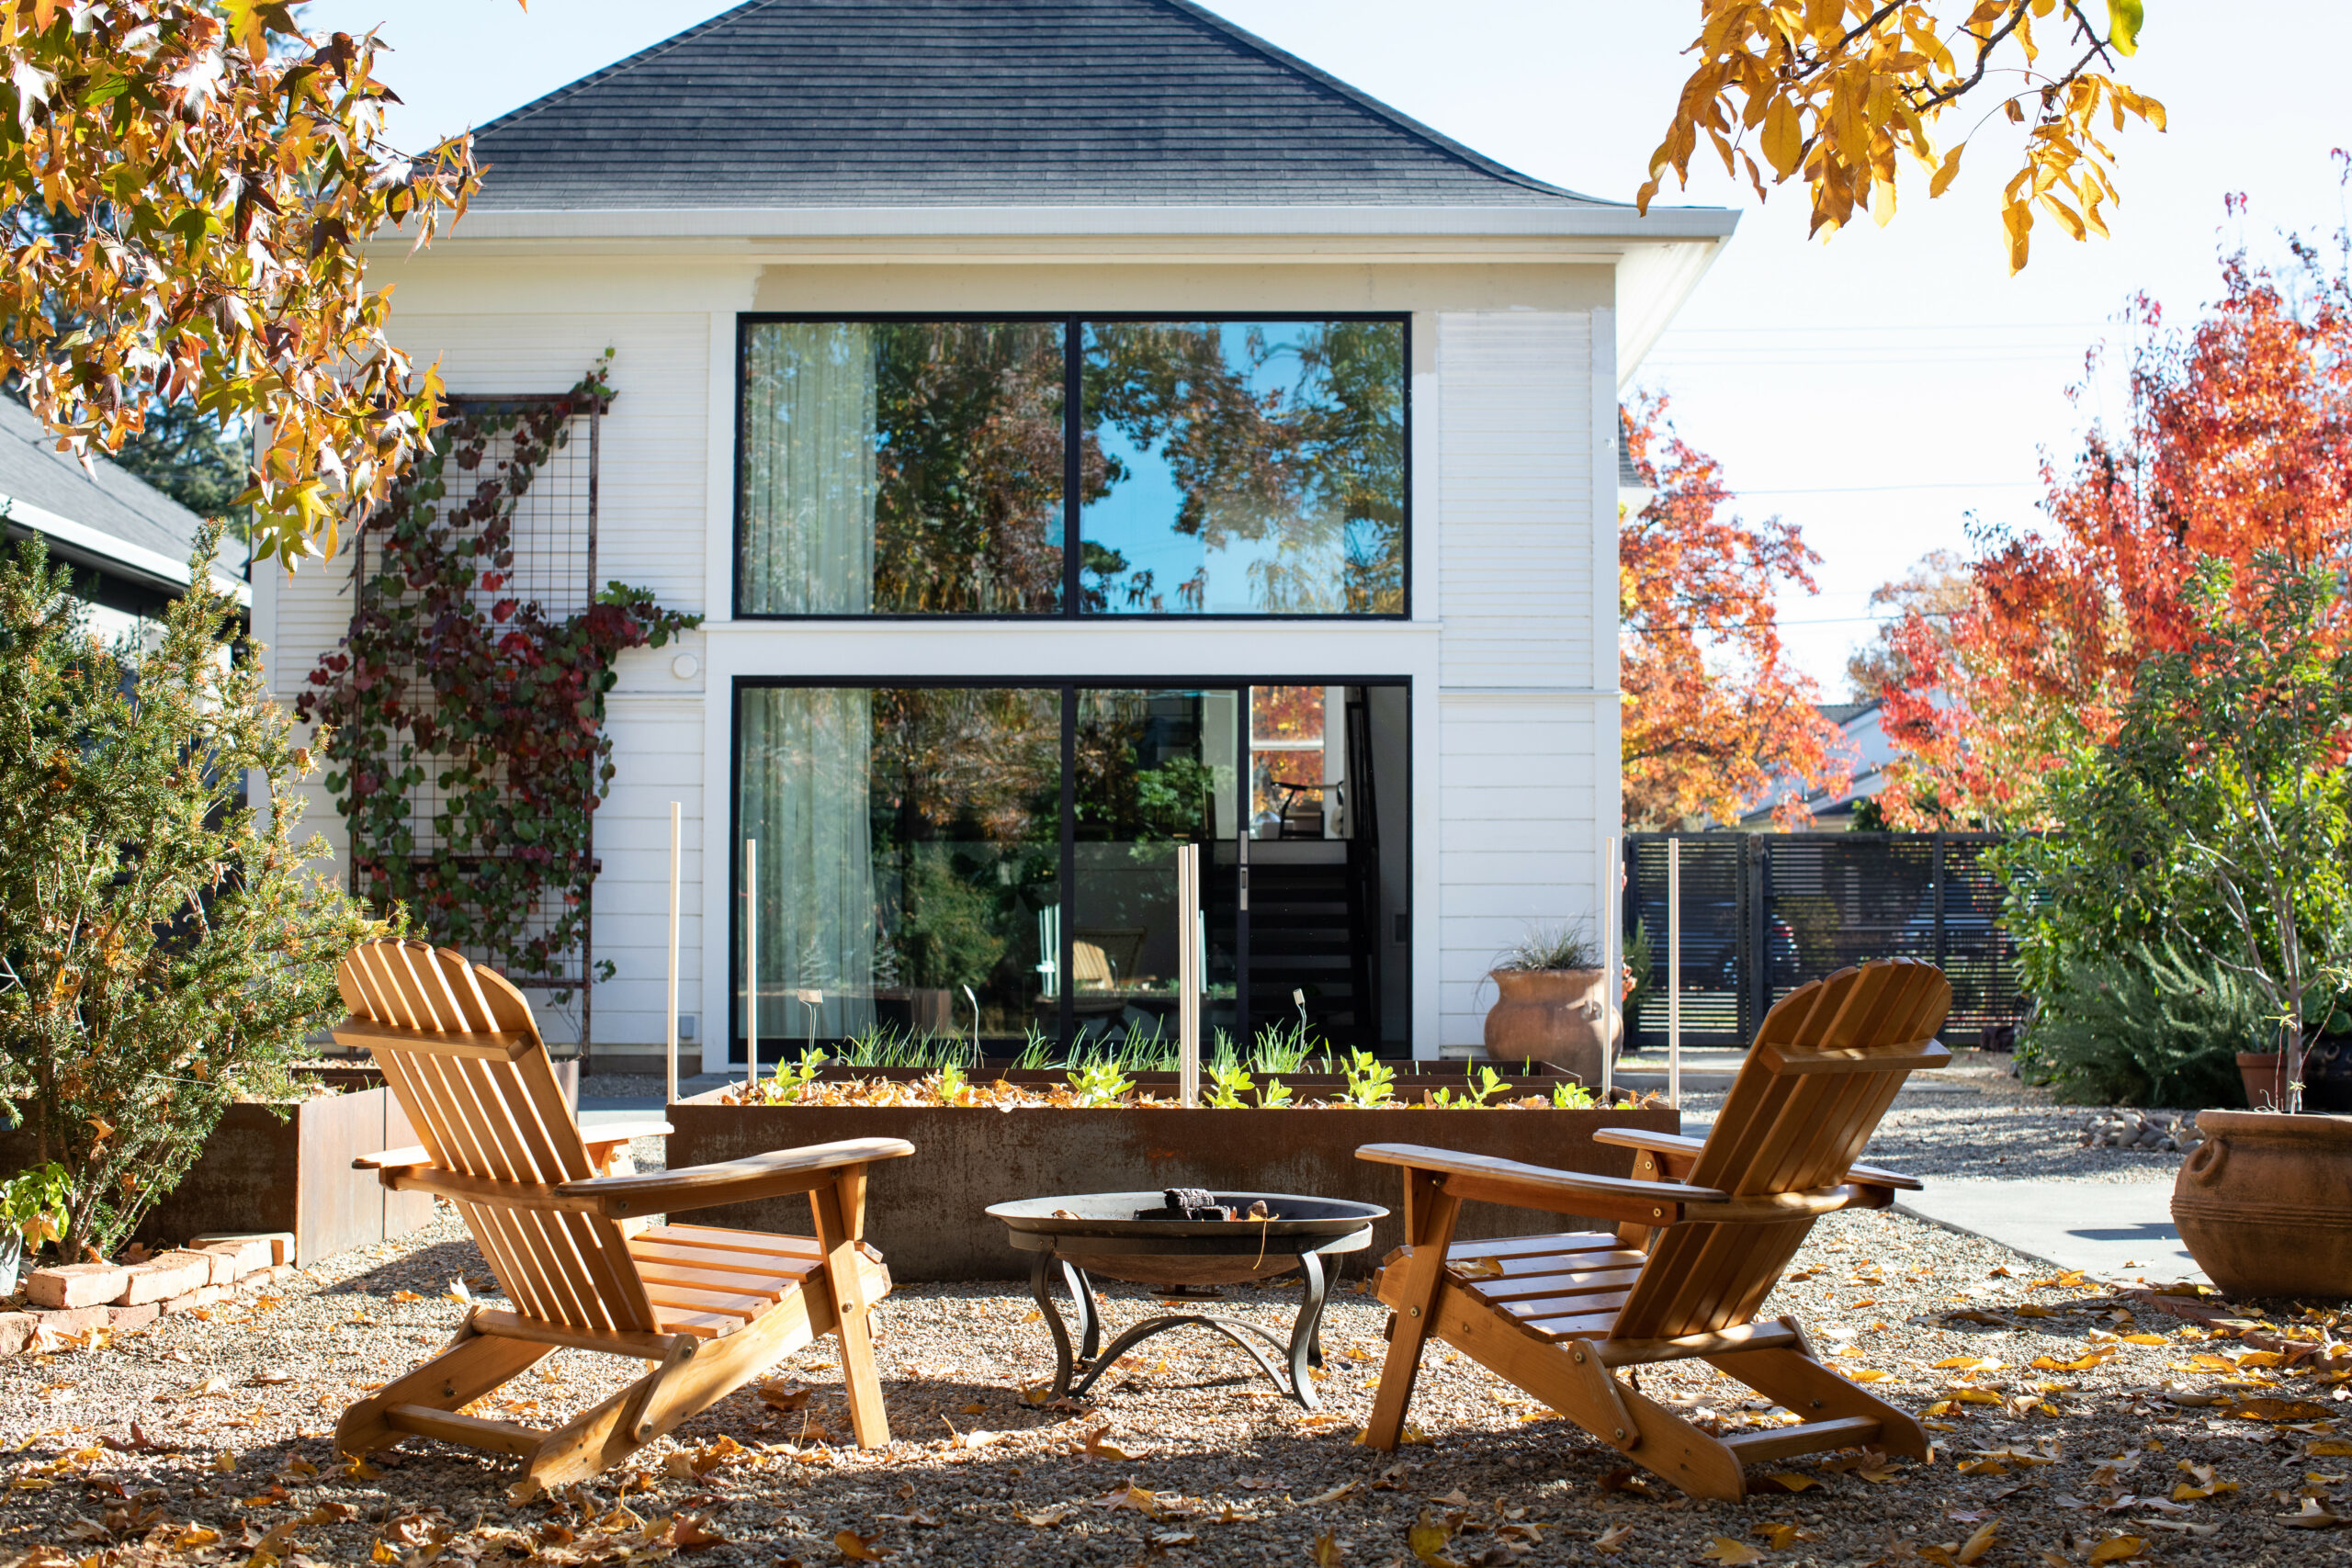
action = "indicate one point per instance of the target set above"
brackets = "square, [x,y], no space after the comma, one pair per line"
[1763,914]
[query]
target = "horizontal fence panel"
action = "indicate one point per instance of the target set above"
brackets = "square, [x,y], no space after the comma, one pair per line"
[1763,914]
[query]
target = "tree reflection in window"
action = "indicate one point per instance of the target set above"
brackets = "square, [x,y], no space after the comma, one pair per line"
[1249,467]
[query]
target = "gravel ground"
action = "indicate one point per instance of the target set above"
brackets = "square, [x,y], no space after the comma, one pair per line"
[2001,1128]
[209,1441]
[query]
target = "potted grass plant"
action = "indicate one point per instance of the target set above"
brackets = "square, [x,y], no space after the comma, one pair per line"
[1552,1004]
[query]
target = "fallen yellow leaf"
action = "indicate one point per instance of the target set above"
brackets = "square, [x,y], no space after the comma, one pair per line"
[1792,1481]
[1428,1538]
[1613,1541]
[2119,1549]
[2280,1410]
[1726,1550]
[858,1548]
[1325,1552]
[1977,1545]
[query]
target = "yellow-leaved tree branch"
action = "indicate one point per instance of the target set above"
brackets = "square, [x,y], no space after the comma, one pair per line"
[188,187]
[1834,92]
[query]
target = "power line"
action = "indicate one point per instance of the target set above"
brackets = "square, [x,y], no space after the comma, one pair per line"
[1873,489]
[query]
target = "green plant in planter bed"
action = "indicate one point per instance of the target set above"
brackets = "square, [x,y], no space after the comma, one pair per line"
[163,948]
[2218,821]
[447,679]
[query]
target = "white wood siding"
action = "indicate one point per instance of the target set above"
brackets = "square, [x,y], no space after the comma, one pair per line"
[1519,807]
[1514,539]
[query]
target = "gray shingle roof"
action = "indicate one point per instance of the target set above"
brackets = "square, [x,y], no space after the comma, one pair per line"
[975,103]
[116,504]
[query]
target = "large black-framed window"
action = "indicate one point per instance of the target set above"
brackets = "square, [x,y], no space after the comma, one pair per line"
[1034,465]
[996,858]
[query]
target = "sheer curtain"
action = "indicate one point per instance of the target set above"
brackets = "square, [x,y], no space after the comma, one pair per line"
[809,469]
[806,760]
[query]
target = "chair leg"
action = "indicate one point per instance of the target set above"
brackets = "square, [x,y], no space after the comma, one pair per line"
[840,1211]
[1796,1380]
[469,1366]
[696,1375]
[1429,1214]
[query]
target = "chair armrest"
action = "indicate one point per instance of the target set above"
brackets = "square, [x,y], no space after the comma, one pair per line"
[1480,1178]
[1657,1143]
[1485,1179]
[393,1159]
[622,1132]
[1676,1144]
[729,1181]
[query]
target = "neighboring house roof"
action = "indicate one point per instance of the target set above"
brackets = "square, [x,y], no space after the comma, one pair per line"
[977,103]
[1863,724]
[102,516]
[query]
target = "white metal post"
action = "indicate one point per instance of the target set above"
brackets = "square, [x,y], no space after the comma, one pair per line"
[1674,971]
[751,961]
[1188,974]
[1611,965]
[673,950]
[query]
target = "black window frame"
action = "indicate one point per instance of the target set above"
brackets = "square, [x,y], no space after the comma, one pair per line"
[1073,416]
[1068,687]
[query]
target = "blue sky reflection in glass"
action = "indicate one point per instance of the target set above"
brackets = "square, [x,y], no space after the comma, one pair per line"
[1249,467]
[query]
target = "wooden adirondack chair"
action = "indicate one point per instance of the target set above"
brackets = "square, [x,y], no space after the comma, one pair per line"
[1704,1230]
[573,1248]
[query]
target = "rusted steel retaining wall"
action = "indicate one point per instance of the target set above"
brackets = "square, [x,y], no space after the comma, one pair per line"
[925,1212]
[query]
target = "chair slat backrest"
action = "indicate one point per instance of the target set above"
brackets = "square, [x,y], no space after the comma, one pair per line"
[459,1050]
[1823,1069]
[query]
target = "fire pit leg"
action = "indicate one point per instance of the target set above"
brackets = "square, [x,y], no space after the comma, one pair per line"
[1090,1322]
[1306,1334]
[1151,1326]
[1038,1272]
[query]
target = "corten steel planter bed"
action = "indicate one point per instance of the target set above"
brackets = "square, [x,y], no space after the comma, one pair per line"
[259,1172]
[927,1212]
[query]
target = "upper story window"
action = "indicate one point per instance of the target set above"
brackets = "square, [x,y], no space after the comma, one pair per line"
[1068,466]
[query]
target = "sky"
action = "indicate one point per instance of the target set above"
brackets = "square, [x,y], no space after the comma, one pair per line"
[1880,389]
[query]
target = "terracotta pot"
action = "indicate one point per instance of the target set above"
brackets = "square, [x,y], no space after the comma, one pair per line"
[2265,1203]
[2327,1075]
[1560,1016]
[2259,1070]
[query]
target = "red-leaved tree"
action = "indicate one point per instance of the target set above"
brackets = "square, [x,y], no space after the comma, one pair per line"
[1715,716]
[2239,441]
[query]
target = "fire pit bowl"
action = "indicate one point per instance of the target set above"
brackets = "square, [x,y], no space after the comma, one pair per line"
[1137,1237]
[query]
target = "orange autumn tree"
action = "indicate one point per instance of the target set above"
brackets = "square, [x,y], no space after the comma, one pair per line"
[2239,443]
[1714,714]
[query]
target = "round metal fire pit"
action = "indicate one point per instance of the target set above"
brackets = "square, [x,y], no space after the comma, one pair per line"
[1114,1234]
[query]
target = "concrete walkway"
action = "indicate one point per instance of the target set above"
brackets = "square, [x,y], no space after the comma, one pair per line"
[2112,1229]
[595,1108]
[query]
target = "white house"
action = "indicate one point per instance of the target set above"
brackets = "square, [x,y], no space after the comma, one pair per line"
[1084,428]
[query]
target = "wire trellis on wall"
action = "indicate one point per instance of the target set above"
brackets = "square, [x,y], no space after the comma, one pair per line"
[551,547]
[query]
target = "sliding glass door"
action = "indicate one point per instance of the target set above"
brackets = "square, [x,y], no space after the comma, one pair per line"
[997,862]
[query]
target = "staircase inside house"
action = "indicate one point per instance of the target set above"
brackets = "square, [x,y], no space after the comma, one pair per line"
[1310,930]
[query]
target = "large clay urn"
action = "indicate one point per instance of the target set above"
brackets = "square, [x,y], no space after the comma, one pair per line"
[2265,1203]
[1560,1016]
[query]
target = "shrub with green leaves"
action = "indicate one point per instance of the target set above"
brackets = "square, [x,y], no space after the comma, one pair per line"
[2153,1027]
[164,949]
[2219,817]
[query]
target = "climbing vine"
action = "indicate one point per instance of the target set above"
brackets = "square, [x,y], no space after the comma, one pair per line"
[449,678]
